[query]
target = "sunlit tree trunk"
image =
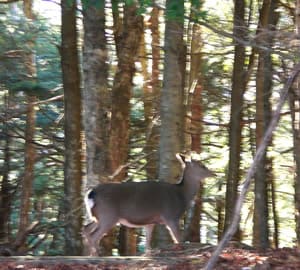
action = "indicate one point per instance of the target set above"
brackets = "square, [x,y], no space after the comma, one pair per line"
[236,112]
[127,38]
[172,97]
[96,97]
[128,42]
[171,107]
[151,92]
[72,99]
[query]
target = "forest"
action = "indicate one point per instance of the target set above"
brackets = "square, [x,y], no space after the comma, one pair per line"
[99,91]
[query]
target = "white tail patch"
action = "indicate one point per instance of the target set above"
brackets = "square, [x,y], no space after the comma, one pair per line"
[89,204]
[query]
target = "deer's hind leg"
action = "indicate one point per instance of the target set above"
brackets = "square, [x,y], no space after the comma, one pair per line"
[87,240]
[97,233]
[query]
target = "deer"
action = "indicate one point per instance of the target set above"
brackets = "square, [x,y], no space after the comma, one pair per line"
[143,204]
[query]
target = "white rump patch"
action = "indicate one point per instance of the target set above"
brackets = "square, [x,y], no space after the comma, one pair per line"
[89,204]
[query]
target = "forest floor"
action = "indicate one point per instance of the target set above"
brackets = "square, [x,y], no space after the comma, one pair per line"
[188,257]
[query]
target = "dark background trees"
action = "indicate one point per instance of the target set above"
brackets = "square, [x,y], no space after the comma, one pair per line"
[155,80]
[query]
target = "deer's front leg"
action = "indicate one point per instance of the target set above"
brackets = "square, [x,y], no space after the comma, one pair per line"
[149,229]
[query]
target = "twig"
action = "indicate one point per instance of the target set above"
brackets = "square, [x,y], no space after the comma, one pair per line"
[49,100]
[257,158]
[124,166]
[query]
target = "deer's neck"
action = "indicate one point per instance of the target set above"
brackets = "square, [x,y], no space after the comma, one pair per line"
[190,188]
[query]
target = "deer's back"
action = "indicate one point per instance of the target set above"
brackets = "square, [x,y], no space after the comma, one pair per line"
[143,202]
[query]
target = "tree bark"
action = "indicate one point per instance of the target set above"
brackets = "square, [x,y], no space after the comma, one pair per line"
[267,22]
[27,180]
[235,129]
[6,189]
[295,114]
[151,92]
[96,97]
[275,213]
[127,38]
[72,99]
[192,226]
[128,42]
[171,107]
[30,151]
[172,97]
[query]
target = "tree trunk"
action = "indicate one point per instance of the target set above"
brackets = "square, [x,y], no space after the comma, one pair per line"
[275,213]
[27,180]
[172,97]
[72,98]
[235,129]
[128,42]
[6,192]
[295,113]
[30,151]
[267,22]
[192,226]
[151,98]
[127,39]
[171,107]
[96,98]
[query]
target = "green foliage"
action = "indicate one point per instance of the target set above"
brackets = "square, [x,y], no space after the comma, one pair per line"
[98,4]
[198,13]
[15,32]
[40,185]
[175,10]
[137,106]
[129,2]
[46,117]
[48,58]
[144,5]
[31,88]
